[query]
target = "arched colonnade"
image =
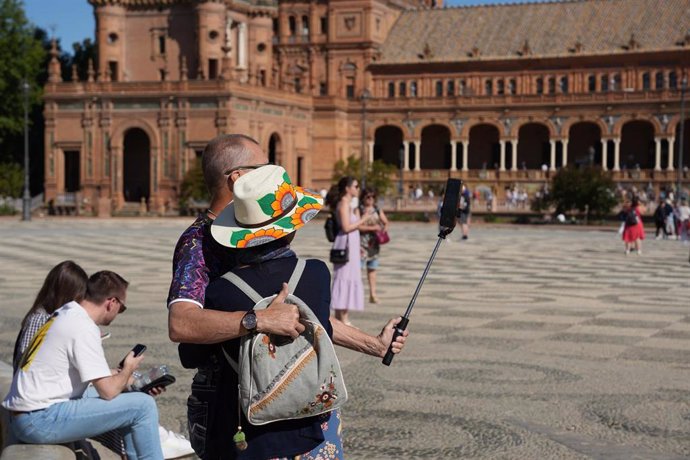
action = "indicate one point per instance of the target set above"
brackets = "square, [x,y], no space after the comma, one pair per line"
[627,144]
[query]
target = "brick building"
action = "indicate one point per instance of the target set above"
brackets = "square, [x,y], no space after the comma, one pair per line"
[496,95]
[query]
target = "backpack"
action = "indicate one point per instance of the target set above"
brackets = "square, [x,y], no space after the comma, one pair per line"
[631,218]
[332,228]
[283,381]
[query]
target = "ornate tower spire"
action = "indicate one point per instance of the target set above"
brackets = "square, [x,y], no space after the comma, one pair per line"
[54,72]
[91,73]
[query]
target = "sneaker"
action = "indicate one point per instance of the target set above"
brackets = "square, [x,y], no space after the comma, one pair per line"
[174,445]
[627,251]
[464,237]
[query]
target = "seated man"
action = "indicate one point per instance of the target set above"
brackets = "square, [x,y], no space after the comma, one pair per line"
[45,401]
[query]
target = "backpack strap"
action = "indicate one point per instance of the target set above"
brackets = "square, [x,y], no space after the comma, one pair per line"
[296,275]
[243,286]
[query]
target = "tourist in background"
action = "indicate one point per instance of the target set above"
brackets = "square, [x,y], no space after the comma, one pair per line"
[347,291]
[374,220]
[633,233]
[660,220]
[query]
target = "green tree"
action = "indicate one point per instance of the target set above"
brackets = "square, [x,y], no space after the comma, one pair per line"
[21,58]
[11,180]
[378,173]
[585,189]
[193,187]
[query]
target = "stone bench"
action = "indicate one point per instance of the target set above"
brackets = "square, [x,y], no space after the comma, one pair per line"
[11,450]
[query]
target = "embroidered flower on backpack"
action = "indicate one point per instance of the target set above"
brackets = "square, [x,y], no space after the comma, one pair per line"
[271,347]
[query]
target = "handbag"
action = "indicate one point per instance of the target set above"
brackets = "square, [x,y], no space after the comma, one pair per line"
[340,256]
[382,236]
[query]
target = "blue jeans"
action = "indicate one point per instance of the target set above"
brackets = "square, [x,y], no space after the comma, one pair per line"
[134,414]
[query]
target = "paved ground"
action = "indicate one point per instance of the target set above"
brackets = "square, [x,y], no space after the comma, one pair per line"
[528,342]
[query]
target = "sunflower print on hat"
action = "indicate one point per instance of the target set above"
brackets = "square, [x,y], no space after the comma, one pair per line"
[275,204]
[247,238]
[305,212]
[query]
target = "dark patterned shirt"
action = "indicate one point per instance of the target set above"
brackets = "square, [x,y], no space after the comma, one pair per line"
[197,261]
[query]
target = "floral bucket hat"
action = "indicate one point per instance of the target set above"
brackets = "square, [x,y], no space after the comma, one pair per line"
[267,206]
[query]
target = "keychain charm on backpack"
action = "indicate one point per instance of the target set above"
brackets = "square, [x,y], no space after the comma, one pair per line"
[240,439]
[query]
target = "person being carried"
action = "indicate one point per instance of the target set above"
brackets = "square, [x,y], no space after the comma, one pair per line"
[66,355]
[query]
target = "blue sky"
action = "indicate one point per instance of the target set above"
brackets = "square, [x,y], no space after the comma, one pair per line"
[72,20]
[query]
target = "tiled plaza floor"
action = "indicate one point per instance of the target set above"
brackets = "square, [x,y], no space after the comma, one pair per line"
[527,342]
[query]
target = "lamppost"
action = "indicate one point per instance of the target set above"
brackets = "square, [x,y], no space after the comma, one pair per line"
[26,200]
[683,87]
[365,96]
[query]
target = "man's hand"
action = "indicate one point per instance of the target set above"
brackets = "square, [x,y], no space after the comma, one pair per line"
[280,318]
[386,336]
[131,363]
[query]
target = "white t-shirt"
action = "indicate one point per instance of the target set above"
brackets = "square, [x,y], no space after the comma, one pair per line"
[64,356]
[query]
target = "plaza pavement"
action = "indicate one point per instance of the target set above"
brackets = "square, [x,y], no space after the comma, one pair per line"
[527,342]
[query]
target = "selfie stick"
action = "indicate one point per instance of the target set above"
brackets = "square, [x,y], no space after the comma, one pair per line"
[447,224]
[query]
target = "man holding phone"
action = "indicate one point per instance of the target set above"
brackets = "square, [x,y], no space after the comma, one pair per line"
[66,354]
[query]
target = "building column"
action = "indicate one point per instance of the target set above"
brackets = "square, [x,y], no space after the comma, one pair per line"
[465,154]
[671,148]
[657,154]
[514,166]
[552,158]
[502,166]
[242,45]
[604,154]
[371,151]
[406,159]
[564,143]
[617,154]
[453,156]
[417,154]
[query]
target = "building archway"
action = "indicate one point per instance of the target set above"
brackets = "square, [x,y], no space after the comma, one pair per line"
[686,146]
[485,150]
[436,148]
[388,140]
[637,145]
[136,167]
[533,146]
[584,144]
[275,150]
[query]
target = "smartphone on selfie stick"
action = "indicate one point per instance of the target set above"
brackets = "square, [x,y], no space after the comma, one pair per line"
[449,217]
[138,349]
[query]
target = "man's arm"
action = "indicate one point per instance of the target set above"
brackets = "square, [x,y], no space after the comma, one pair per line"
[189,323]
[109,387]
[354,339]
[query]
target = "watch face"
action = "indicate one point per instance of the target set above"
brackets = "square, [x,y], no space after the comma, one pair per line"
[249,321]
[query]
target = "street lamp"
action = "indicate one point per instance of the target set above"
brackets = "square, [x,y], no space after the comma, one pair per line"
[365,96]
[683,87]
[26,200]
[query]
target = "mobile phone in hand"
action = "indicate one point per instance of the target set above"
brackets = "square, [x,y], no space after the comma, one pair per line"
[138,349]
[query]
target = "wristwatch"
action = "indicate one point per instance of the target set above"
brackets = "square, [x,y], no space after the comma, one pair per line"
[249,321]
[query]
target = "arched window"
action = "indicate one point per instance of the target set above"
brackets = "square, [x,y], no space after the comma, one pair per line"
[616,82]
[540,85]
[564,85]
[305,25]
[463,87]
[673,79]
[591,83]
[552,85]
[659,80]
[488,87]
[413,89]
[450,88]
[402,89]
[391,89]
[439,88]
[293,25]
[500,87]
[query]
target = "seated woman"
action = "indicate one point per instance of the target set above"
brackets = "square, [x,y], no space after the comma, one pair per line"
[259,225]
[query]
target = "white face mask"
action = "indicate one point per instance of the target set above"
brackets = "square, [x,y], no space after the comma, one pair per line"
[354,202]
